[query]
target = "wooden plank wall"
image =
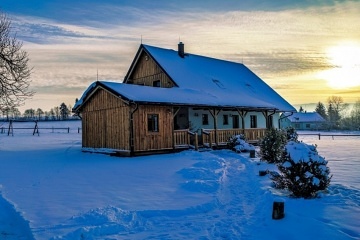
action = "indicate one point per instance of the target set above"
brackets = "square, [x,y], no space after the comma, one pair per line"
[147,71]
[147,141]
[106,122]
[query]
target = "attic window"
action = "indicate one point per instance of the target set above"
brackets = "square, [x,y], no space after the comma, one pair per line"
[218,83]
[248,85]
[157,83]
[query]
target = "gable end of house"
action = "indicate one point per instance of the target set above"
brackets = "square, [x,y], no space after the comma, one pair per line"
[146,71]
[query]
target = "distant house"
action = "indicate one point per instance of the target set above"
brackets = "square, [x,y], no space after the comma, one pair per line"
[171,100]
[303,121]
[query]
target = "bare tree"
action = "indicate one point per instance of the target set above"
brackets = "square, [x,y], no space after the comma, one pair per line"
[57,112]
[52,114]
[355,115]
[14,70]
[29,113]
[336,105]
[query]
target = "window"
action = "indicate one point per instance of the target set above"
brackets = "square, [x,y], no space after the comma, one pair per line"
[218,83]
[225,119]
[270,121]
[235,120]
[156,83]
[253,121]
[205,119]
[297,125]
[307,125]
[153,122]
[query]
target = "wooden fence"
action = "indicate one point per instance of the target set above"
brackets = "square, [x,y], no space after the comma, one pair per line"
[185,139]
[208,135]
[329,135]
[35,130]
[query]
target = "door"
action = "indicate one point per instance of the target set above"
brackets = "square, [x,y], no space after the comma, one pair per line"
[235,121]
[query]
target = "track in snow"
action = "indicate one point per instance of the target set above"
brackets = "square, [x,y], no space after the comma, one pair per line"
[232,210]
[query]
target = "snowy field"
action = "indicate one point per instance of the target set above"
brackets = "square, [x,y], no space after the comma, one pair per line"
[49,189]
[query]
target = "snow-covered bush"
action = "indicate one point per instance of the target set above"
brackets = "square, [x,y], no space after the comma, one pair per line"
[272,145]
[291,134]
[302,171]
[238,143]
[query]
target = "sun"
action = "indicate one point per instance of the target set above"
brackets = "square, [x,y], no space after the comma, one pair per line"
[345,61]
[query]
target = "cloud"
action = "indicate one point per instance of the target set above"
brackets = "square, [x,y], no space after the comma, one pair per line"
[44,31]
[284,46]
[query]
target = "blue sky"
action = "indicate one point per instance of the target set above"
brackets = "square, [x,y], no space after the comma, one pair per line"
[306,50]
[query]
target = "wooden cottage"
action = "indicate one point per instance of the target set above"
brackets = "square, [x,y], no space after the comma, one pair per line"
[172,100]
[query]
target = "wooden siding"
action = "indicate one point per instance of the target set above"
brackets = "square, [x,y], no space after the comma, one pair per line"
[148,141]
[105,122]
[147,71]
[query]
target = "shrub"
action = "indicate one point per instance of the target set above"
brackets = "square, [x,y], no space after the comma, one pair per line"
[272,145]
[303,172]
[291,134]
[238,143]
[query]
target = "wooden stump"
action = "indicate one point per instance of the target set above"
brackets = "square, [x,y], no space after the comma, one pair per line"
[263,172]
[278,210]
[252,153]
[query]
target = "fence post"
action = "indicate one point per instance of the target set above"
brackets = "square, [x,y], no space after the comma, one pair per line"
[11,129]
[210,140]
[36,128]
[278,210]
[196,141]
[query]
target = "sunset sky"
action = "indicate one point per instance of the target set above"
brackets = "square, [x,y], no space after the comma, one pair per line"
[305,50]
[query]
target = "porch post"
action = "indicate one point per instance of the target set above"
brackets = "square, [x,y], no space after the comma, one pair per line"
[242,114]
[175,111]
[131,129]
[215,113]
[265,113]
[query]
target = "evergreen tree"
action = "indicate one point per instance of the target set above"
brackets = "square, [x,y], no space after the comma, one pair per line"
[64,111]
[303,176]
[320,109]
[272,144]
[301,109]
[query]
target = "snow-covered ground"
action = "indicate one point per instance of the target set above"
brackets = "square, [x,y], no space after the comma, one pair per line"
[52,190]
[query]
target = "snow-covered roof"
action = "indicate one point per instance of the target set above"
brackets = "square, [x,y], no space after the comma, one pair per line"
[173,96]
[306,117]
[200,81]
